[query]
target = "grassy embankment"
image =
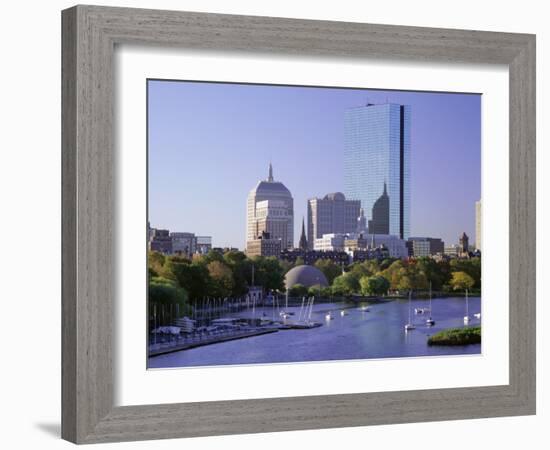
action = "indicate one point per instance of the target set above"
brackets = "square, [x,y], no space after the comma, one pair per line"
[457,336]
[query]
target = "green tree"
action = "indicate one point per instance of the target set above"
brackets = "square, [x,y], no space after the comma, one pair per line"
[193,277]
[437,272]
[298,290]
[345,285]
[374,285]
[329,268]
[461,281]
[240,265]
[155,261]
[470,266]
[360,270]
[393,273]
[405,275]
[222,283]
[319,291]
[387,263]
[167,296]
[268,273]
[299,261]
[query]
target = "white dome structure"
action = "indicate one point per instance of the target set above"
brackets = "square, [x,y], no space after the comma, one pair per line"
[306,276]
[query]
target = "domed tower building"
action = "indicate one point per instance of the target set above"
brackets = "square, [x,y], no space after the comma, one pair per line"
[270,209]
[380,222]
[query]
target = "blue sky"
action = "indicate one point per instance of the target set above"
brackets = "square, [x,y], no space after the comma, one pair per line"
[210,143]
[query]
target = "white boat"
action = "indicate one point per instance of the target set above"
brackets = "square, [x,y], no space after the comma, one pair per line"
[364,309]
[344,313]
[477,315]
[328,316]
[467,316]
[409,326]
[419,310]
[429,321]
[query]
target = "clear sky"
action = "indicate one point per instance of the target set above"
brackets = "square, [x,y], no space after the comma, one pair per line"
[210,143]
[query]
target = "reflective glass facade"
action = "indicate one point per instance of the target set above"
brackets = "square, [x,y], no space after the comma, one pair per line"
[377,150]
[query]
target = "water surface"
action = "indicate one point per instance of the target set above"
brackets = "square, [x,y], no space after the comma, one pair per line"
[358,335]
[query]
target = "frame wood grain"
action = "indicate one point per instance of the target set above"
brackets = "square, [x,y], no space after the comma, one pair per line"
[90,34]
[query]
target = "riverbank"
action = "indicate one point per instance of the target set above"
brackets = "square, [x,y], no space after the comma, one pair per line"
[457,336]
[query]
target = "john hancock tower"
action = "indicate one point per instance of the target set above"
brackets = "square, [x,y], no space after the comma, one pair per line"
[377,148]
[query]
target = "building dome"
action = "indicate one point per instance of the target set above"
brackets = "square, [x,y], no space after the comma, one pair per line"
[305,275]
[271,188]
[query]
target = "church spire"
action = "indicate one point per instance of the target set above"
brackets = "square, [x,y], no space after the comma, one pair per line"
[303,239]
[270,177]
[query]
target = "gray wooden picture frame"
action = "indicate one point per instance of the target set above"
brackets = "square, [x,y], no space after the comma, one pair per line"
[90,34]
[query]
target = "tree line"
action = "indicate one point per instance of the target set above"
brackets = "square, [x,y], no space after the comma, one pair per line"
[186,281]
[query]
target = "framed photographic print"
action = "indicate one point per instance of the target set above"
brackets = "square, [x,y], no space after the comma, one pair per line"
[259,208]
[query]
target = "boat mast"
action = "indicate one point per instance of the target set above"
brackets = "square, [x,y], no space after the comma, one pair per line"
[409,307]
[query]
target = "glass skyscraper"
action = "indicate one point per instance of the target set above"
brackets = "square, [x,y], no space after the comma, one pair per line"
[377,149]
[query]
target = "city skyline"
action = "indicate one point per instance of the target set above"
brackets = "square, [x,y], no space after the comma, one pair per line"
[208,141]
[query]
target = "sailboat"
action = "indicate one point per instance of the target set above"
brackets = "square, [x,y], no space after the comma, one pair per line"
[467,316]
[285,314]
[430,322]
[409,326]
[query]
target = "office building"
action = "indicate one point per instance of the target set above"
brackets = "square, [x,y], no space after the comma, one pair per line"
[270,209]
[425,246]
[264,245]
[203,245]
[377,164]
[331,214]
[183,243]
[160,241]
[332,242]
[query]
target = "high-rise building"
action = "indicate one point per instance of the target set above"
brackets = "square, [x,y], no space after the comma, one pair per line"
[377,151]
[463,241]
[331,214]
[270,209]
[478,225]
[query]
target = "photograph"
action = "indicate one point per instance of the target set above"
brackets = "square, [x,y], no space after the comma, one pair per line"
[302,224]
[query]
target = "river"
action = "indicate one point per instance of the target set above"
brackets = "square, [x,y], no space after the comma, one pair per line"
[378,333]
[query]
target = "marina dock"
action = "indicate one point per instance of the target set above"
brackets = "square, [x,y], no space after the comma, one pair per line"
[164,348]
